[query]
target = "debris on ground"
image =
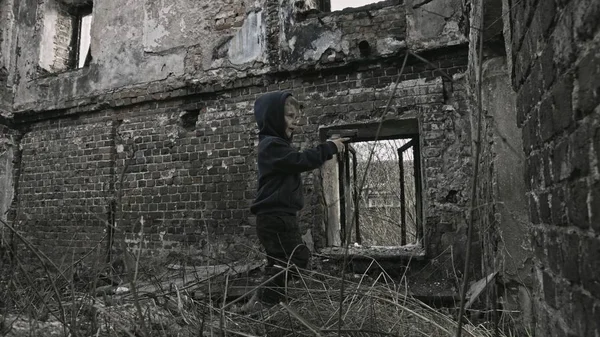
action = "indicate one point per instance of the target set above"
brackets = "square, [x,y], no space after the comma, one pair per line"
[184,300]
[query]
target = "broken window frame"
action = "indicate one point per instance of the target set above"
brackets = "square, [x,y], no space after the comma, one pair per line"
[413,143]
[77,14]
[391,129]
[344,192]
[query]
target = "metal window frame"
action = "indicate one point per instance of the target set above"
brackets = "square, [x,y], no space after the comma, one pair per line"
[77,14]
[345,186]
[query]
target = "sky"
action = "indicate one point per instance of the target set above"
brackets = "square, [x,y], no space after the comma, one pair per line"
[384,150]
[341,4]
[84,43]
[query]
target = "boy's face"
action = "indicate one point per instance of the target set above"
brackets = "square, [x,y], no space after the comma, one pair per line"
[291,117]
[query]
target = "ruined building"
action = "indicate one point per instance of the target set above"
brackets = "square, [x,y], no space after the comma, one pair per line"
[132,120]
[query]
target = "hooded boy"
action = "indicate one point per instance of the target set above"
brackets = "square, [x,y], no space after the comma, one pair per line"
[280,195]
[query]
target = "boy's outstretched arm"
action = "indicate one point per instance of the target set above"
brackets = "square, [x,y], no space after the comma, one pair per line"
[287,159]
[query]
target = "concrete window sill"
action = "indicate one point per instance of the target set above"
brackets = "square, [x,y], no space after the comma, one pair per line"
[415,252]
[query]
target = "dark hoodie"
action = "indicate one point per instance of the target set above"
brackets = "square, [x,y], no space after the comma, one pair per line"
[279,164]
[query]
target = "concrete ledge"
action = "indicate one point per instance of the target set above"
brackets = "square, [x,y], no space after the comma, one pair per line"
[414,252]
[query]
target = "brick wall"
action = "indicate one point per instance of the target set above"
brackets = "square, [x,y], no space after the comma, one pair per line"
[55,27]
[446,153]
[62,39]
[556,69]
[231,15]
[65,183]
[189,163]
[189,177]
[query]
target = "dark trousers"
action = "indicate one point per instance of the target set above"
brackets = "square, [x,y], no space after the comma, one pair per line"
[279,235]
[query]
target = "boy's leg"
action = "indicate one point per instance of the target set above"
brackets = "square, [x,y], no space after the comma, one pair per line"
[281,239]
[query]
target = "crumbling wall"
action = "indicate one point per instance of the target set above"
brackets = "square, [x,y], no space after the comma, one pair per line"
[6,56]
[501,241]
[327,39]
[56,32]
[446,152]
[555,69]
[8,147]
[154,136]
[178,44]
[132,46]
[187,165]
[435,24]
[501,215]
[7,133]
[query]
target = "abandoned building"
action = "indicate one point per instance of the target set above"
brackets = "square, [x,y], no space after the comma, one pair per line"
[130,123]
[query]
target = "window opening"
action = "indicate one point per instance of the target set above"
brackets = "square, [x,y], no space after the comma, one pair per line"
[336,5]
[66,36]
[84,38]
[80,55]
[388,210]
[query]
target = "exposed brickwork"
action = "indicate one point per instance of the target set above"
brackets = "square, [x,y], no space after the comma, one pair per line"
[556,69]
[446,148]
[62,39]
[189,182]
[192,181]
[350,27]
[273,29]
[65,183]
[232,14]
[56,24]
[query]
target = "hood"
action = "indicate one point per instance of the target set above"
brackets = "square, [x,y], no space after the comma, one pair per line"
[269,114]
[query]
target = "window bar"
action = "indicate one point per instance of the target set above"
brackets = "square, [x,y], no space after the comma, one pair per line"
[75,37]
[347,195]
[356,195]
[342,196]
[402,199]
[401,151]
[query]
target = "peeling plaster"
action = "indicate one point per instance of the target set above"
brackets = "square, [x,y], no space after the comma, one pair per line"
[46,58]
[7,18]
[164,25]
[249,43]
[327,40]
[435,24]
[390,46]
[155,29]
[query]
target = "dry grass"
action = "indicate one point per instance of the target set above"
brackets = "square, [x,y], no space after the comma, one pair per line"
[190,301]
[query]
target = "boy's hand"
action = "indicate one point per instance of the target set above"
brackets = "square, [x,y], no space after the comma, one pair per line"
[339,143]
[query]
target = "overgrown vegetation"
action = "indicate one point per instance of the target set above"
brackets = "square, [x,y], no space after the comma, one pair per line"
[169,297]
[134,295]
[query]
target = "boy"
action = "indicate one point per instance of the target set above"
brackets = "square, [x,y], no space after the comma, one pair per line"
[279,194]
